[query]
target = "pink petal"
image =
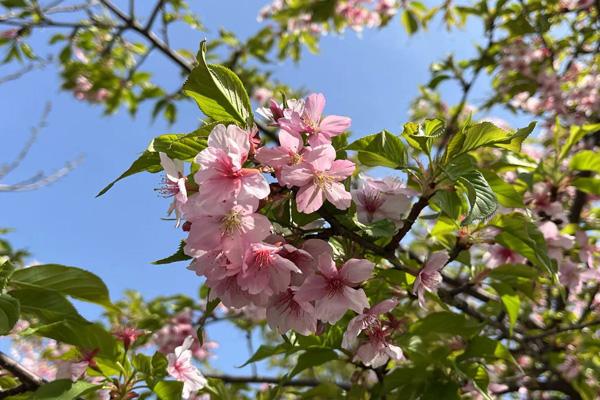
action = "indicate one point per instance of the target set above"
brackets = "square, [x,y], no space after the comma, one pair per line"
[275,157]
[321,157]
[255,185]
[436,261]
[314,106]
[297,175]
[341,169]
[356,271]
[326,266]
[356,299]
[333,125]
[290,142]
[337,195]
[315,287]
[309,198]
[331,309]
[384,307]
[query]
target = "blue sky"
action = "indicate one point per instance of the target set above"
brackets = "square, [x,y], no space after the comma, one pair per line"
[371,78]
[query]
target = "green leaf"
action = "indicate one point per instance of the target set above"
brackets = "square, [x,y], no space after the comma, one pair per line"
[265,351]
[218,91]
[488,135]
[410,22]
[587,160]
[9,313]
[6,270]
[480,195]
[587,185]
[446,323]
[179,255]
[421,136]
[488,349]
[148,161]
[518,233]
[505,192]
[381,149]
[46,306]
[479,376]
[312,358]
[71,281]
[168,390]
[511,302]
[576,133]
[64,389]
[82,334]
[184,146]
[448,202]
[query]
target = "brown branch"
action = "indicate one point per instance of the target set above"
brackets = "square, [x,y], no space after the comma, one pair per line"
[564,329]
[276,381]
[27,378]
[409,221]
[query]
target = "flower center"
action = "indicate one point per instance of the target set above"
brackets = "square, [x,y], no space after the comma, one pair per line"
[295,158]
[372,200]
[263,258]
[334,286]
[168,188]
[322,179]
[231,222]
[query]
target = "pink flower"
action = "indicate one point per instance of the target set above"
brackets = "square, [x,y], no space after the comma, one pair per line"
[319,177]
[586,249]
[181,368]
[289,153]
[71,370]
[335,290]
[276,111]
[557,242]
[368,319]
[222,175]
[128,335]
[230,228]
[265,270]
[262,94]
[378,350]
[174,332]
[429,277]
[320,131]
[174,184]
[497,255]
[285,312]
[378,199]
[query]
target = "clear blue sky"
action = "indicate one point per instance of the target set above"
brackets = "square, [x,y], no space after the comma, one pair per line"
[370,78]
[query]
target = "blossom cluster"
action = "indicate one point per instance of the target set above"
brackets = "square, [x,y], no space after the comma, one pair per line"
[355,14]
[235,247]
[572,94]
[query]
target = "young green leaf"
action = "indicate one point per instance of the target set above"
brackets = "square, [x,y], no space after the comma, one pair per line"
[382,149]
[218,91]
[9,313]
[71,281]
[485,134]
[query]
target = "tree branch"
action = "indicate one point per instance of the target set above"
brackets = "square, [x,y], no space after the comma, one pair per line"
[27,378]
[275,381]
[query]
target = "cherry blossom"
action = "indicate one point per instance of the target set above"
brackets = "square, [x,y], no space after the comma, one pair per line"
[497,255]
[290,152]
[285,312]
[368,319]
[378,199]
[334,290]
[222,175]
[320,130]
[378,350]
[181,368]
[174,185]
[230,228]
[319,177]
[429,277]
[264,270]
[557,242]
[276,111]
